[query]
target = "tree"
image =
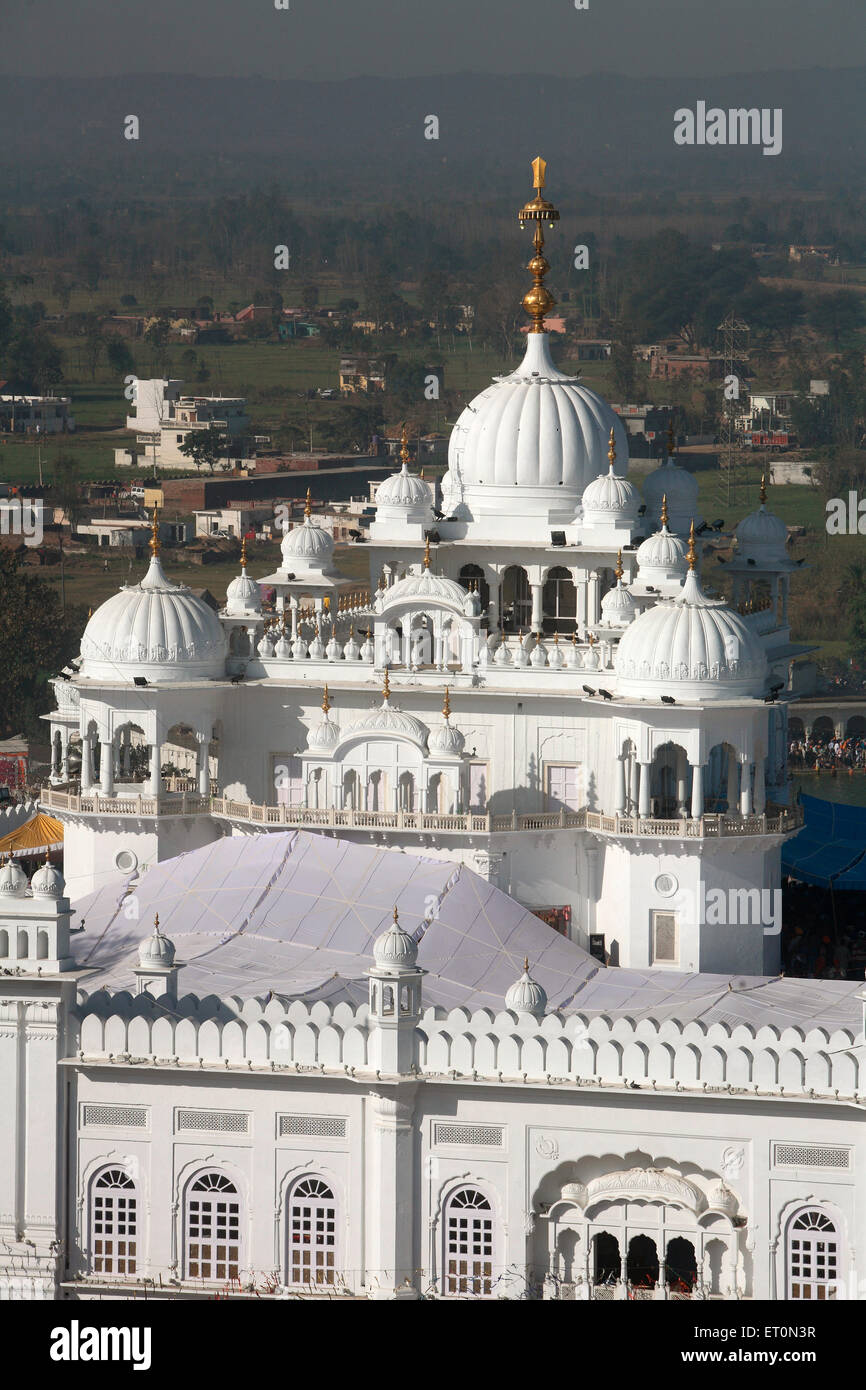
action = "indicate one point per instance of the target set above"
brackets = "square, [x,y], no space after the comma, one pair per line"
[157,335]
[623,360]
[837,316]
[67,486]
[205,446]
[119,357]
[309,296]
[33,362]
[36,641]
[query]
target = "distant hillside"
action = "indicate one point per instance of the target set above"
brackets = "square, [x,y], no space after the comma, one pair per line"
[363,139]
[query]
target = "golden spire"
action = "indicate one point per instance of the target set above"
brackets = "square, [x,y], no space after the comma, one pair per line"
[404,446]
[386,688]
[526,965]
[155,546]
[156,922]
[611,450]
[244,553]
[308,507]
[396,918]
[664,509]
[326,700]
[591,639]
[538,301]
[427,553]
[446,703]
[671,442]
[763,492]
[618,571]
[691,553]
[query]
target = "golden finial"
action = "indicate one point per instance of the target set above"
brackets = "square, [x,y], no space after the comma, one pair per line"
[308,507]
[427,553]
[618,571]
[326,601]
[368,634]
[671,442]
[386,688]
[446,703]
[763,492]
[244,553]
[526,965]
[591,639]
[556,639]
[396,918]
[404,446]
[155,546]
[538,301]
[156,922]
[611,450]
[664,509]
[691,553]
[326,700]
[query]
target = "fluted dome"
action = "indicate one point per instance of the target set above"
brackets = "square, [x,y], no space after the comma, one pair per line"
[388,720]
[395,949]
[681,489]
[618,608]
[13,880]
[326,733]
[403,489]
[662,557]
[243,597]
[445,739]
[762,537]
[422,586]
[532,442]
[610,499]
[696,646]
[47,882]
[154,629]
[156,949]
[308,546]
[721,1198]
[526,996]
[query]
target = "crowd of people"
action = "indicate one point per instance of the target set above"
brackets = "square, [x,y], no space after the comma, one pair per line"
[823,933]
[827,753]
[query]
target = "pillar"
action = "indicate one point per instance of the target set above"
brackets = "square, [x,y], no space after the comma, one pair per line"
[635,781]
[619,802]
[593,610]
[107,766]
[86,762]
[537,619]
[390,1262]
[746,789]
[293,609]
[202,764]
[697,791]
[644,799]
[154,783]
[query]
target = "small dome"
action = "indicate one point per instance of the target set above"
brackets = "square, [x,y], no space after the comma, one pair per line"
[13,880]
[761,536]
[424,585]
[395,949]
[155,629]
[389,720]
[243,595]
[403,489]
[721,1198]
[662,556]
[326,733]
[526,996]
[445,738]
[681,489]
[47,882]
[692,644]
[308,546]
[618,607]
[610,498]
[156,949]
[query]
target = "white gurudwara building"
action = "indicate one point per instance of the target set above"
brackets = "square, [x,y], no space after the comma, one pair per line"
[437,952]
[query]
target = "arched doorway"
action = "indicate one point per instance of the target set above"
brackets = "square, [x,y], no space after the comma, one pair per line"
[607,1265]
[559,601]
[681,1266]
[516,600]
[642,1264]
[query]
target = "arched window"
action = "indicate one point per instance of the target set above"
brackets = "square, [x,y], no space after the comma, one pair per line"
[212,1228]
[813,1256]
[113,1223]
[559,601]
[312,1233]
[468,1244]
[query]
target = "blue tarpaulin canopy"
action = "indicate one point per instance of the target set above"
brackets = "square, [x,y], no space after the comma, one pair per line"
[830,850]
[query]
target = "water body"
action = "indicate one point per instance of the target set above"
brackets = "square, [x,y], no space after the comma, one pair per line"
[849,788]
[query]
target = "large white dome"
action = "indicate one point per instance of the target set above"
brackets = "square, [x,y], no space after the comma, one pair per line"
[536,430]
[696,646]
[154,629]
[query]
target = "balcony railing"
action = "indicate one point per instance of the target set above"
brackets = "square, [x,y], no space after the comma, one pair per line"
[777,820]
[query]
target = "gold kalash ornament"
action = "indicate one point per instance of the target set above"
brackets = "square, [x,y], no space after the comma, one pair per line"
[538,301]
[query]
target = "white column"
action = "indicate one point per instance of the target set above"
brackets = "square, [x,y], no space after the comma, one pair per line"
[64,753]
[644,799]
[390,1259]
[86,762]
[619,803]
[745,789]
[407,641]
[697,791]
[154,784]
[106,767]
[537,619]
[202,764]
[593,610]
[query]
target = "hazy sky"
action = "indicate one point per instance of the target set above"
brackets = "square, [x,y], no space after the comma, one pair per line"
[351,38]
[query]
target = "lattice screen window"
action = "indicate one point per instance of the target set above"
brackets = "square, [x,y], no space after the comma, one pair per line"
[215,1121]
[312,1233]
[813,1257]
[316,1126]
[469,1244]
[491,1135]
[113,1223]
[812,1156]
[117,1116]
